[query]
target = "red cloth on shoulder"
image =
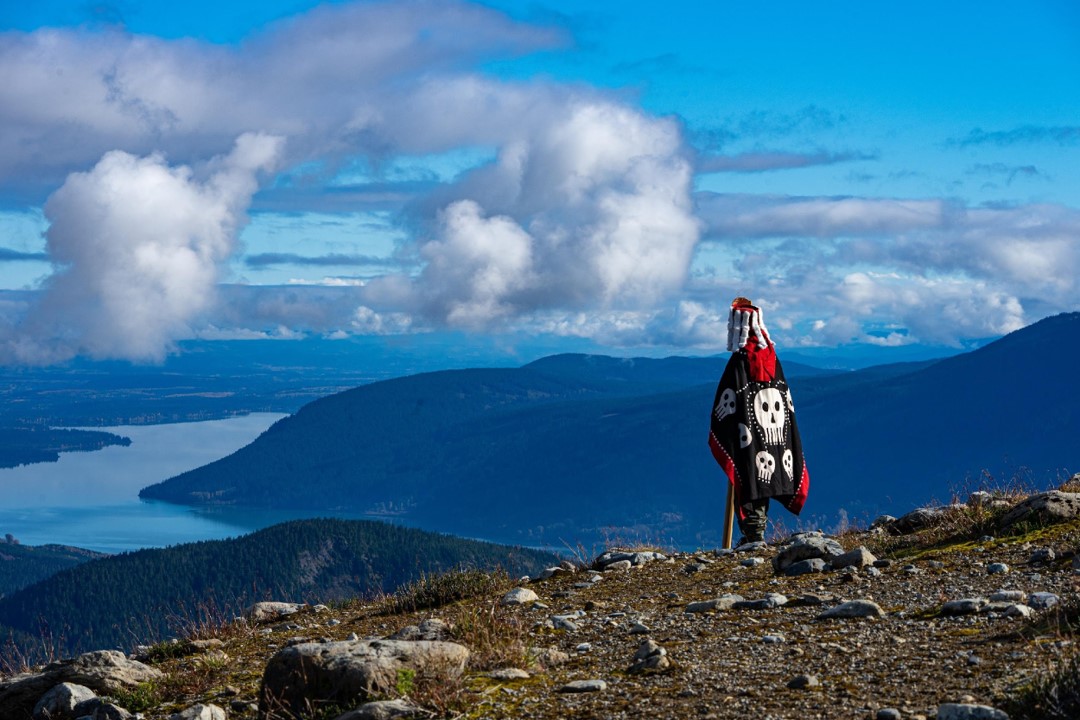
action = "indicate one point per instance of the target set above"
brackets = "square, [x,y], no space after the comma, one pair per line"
[762,361]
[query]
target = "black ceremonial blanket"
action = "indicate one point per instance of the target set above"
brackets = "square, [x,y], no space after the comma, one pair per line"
[753,434]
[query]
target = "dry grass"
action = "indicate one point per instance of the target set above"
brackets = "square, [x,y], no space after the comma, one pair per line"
[435,591]
[1053,695]
[496,637]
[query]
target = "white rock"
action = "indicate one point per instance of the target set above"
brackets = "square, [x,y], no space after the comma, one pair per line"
[1043,600]
[583,686]
[853,609]
[519,596]
[200,712]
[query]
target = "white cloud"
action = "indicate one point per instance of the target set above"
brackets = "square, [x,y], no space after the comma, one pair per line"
[588,210]
[138,247]
[582,225]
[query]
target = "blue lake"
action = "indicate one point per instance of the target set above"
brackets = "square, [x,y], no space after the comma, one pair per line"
[91,499]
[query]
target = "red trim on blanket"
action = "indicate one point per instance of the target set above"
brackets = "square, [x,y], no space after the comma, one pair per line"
[728,466]
[799,499]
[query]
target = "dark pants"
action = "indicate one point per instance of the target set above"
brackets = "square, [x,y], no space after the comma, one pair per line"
[756,517]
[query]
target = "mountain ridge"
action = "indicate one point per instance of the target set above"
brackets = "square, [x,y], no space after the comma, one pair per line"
[578,448]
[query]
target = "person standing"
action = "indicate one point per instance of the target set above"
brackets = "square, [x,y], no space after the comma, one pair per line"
[752,431]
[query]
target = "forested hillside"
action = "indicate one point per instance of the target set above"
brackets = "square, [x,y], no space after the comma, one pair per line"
[22,446]
[151,594]
[23,565]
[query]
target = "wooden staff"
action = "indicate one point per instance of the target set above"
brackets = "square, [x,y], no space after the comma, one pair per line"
[729,517]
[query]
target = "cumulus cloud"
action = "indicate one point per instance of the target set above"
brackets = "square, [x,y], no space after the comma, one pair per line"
[849,269]
[138,246]
[587,206]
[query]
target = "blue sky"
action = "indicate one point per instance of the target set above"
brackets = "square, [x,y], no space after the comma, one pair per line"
[892,174]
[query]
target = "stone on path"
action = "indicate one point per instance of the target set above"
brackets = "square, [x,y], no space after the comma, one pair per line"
[519,596]
[200,712]
[806,547]
[1043,600]
[916,520]
[803,682]
[583,686]
[770,601]
[965,711]
[964,606]
[262,612]
[805,567]
[724,602]
[853,609]
[860,558]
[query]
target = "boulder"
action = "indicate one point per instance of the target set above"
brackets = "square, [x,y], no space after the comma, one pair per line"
[102,671]
[519,596]
[19,694]
[964,606]
[1044,508]
[311,674]
[860,558]
[724,602]
[853,609]
[106,671]
[635,558]
[98,709]
[806,547]
[917,519]
[60,702]
[805,567]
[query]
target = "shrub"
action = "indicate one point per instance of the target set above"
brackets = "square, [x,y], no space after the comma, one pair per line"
[1052,696]
[434,591]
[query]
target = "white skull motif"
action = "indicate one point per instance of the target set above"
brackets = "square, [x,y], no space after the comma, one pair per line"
[726,406]
[745,438]
[790,402]
[789,464]
[771,415]
[766,464]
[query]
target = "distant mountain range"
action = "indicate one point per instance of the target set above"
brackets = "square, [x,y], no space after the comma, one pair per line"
[581,448]
[148,595]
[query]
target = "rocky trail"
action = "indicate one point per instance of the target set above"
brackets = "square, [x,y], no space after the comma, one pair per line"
[955,612]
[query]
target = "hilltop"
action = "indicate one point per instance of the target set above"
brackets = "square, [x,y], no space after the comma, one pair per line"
[940,612]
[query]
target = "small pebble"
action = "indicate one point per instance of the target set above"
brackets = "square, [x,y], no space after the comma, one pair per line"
[997,568]
[803,682]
